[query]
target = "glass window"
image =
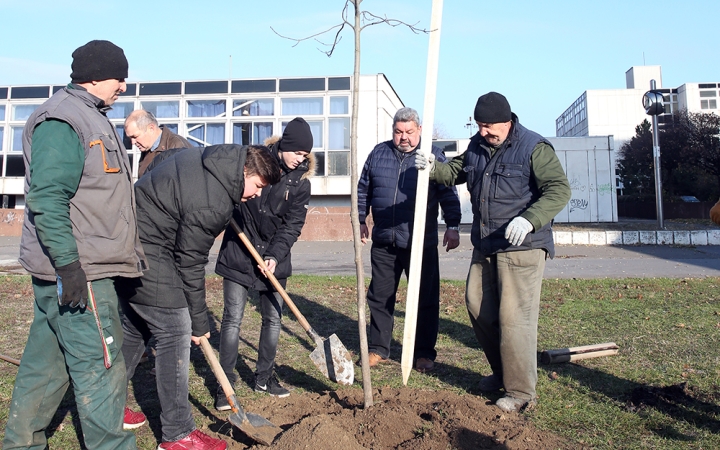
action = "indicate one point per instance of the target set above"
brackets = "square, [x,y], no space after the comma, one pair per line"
[319,163]
[2,135]
[251,133]
[204,134]
[2,112]
[206,108]
[339,84]
[302,84]
[302,106]
[338,105]
[339,133]
[121,132]
[338,163]
[120,110]
[254,107]
[316,128]
[708,94]
[15,166]
[712,104]
[22,112]
[160,88]
[169,109]
[253,86]
[16,145]
[206,87]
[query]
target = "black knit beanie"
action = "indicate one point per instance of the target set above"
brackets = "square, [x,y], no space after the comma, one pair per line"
[97,61]
[492,108]
[296,137]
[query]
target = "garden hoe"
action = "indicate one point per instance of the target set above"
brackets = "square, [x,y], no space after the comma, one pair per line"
[254,426]
[330,355]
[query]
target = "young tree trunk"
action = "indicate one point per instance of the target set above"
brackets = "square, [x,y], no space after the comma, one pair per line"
[354,216]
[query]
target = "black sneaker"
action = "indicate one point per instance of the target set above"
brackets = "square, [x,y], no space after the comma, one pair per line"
[273,387]
[221,401]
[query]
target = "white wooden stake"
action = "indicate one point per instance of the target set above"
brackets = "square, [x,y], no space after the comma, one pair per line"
[418,239]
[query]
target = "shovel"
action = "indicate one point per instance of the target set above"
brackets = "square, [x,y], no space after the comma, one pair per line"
[254,426]
[330,355]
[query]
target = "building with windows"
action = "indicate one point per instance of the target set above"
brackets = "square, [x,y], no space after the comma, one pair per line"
[243,111]
[617,112]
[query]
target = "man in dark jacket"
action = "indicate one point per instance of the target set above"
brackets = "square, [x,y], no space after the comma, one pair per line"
[80,231]
[273,223]
[387,187]
[184,202]
[143,130]
[517,186]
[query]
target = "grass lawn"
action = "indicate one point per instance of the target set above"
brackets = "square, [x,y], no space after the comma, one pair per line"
[661,391]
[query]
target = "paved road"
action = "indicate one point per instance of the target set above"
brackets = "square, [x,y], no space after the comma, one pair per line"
[571,261]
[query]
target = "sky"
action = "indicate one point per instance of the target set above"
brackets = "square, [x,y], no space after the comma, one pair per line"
[542,55]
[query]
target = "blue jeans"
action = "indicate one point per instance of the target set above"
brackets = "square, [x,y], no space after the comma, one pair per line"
[172,329]
[235,296]
[64,345]
[503,300]
[388,264]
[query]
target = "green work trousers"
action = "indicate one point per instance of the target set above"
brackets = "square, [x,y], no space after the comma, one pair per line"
[503,300]
[64,345]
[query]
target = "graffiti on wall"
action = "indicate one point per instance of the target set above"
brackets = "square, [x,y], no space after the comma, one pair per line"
[578,203]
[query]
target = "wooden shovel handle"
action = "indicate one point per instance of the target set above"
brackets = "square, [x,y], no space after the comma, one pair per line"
[216,368]
[301,319]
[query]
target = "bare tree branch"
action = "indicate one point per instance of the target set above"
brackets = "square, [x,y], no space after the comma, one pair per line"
[368,19]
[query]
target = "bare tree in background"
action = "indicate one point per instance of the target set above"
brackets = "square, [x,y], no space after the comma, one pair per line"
[360,21]
[439,132]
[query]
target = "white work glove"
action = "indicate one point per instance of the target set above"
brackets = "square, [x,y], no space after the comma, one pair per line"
[517,229]
[422,162]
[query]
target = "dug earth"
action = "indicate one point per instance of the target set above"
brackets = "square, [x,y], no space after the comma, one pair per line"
[402,418]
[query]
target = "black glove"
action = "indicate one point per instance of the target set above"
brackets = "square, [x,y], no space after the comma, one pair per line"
[72,285]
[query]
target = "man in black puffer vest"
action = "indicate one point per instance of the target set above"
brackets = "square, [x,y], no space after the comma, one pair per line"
[517,186]
[273,223]
[387,187]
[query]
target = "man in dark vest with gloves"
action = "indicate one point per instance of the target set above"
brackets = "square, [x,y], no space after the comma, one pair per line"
[79,236]
[272,223]
[517,186]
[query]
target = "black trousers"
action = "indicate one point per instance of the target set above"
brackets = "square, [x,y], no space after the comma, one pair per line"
[388,263]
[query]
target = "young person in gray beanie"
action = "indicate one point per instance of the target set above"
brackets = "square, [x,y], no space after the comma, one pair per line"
[79,231]
[273,223]
[517,187]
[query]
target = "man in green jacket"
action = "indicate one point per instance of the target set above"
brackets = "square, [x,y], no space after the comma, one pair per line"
[517,186]
[79,237]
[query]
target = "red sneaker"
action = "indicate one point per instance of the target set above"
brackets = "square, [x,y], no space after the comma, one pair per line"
[132,419]
[197,440]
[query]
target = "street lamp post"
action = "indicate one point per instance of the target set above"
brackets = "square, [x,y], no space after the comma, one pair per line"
[654,106]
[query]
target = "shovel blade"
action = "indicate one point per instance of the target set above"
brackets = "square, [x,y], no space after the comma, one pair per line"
[334,361]
[256,427]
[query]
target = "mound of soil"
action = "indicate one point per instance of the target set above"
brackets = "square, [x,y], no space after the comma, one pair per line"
[399,419]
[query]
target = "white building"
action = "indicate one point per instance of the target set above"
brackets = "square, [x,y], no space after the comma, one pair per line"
[243,111]
[617,112]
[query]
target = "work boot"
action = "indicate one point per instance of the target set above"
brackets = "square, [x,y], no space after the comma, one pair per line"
[491,383]
[197,440]
[272,386]
[373,359]
[512,404]
[133,419]
[423,365]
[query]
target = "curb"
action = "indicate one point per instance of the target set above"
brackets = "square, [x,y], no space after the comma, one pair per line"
[697,237]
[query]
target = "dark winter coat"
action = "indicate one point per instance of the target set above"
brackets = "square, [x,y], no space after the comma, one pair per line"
[387,186]
[184,202]
[273,222]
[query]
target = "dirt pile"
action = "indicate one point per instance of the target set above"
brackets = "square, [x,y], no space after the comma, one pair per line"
[400,419]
